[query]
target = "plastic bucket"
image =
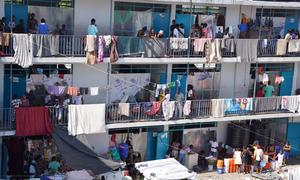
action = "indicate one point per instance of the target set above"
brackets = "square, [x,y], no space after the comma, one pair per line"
[220,170]
[210,168]
[220,164]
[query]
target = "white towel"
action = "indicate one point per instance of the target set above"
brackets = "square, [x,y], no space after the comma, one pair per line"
[94,91]
[123,109]
[90,43]
[86,119]
[23,48]
[107,40]
[217,108]
[168,108]
[187,108]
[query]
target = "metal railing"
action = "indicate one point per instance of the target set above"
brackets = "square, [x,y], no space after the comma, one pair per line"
[74,46]
[145,111]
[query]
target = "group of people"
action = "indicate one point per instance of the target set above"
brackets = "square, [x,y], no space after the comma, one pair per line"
[292,34]
[253,157]
[151,33]
[33,26]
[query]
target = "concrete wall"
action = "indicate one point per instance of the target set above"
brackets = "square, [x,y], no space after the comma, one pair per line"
[99,142]
[88,9]
[91,76]
[234,80]
[2,8]
[1,83]
[222,131]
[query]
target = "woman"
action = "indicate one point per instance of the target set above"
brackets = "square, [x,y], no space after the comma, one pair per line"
[237,160]
[247,158]
[286,151]
[190,92]
[152,33]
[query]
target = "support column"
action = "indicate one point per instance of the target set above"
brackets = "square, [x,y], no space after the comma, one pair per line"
[172,13]
[169,73]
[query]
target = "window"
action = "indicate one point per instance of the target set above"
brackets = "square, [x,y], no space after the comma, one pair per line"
[129,18]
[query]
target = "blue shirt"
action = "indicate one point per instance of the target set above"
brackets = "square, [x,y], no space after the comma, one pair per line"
[243,27]
[43,28]
[92,30]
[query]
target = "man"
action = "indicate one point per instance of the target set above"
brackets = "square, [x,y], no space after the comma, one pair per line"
[258,156]
[172,27]
[63,30]
[92,28]
[142,32]
[32,24]
[20,28]
[214,145]
[43,27]
[269,90]
[286,151]
[12,24]
[245,19]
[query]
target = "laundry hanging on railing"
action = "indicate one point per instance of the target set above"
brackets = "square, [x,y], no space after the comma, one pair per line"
[238,105]
[123,109]
[294,46]
[152,109]
[187,108]
[90,49]
[290,103]
[45,45]
[281,47]
[23,49]
[179,43]
[168,108]
[155,48]
[56,90]
[113,55]
[228,45]
[214,51]
[4,39]
[199,44]
[101,44]
[246,49]
[217,108]
[86,119]
[267,104]
[33,121]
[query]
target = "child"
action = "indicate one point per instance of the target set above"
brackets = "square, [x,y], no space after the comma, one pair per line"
[237,159]
[280,159]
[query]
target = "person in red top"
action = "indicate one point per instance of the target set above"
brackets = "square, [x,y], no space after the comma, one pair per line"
[260,92]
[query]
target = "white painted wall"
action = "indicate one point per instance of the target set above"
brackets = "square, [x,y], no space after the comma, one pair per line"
[99,142]
[234,81]
[2,8]
[296,77]
[1,83]
[85,75]
[85,10]
[222,131]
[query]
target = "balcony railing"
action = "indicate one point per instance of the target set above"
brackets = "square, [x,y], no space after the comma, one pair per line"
[74,46]
[199,109]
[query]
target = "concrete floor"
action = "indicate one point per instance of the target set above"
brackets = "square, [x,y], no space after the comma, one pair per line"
[293,162]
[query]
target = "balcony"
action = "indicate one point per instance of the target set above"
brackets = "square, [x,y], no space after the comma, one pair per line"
[200,111]
[134,47]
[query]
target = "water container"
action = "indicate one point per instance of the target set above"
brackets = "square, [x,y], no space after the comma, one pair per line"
[220,170]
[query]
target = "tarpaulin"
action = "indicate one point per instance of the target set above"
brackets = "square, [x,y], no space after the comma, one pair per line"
[33,121]
[78,155]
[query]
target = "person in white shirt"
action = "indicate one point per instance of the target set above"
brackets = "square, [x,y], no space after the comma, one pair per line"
[213,147]
[258,155]
[280,159]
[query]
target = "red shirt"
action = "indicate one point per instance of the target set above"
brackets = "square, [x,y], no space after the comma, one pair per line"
[260,93]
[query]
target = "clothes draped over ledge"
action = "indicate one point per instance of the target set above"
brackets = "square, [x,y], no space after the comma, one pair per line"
[23,49]
[246,49]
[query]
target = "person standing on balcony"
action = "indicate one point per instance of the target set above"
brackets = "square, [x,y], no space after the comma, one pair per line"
[62,30]
[2,24]
[152,33]
[286,150]
[32,24]
[142,33]
[160,34]
[260,92]
[177,32]
[92,28]
[20,28]
[179,99]
[172,27]
[43,27]
[269,90]
[12,24]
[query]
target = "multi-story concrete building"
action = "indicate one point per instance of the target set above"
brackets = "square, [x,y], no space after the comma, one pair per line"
[232,75]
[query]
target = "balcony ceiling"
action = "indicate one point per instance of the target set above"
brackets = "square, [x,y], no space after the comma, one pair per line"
[293,5]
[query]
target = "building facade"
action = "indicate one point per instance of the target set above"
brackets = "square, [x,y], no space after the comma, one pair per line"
[144,64]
